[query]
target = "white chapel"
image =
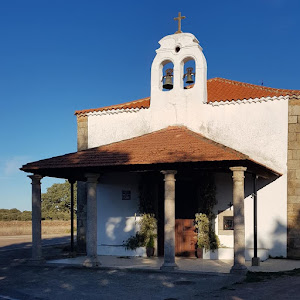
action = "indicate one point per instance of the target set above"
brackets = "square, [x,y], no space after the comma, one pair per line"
[161,153]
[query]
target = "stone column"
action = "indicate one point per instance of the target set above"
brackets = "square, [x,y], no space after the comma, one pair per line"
[91,232]
[239,220]
[169,245]
[81,217]
[36,218]
[82,144]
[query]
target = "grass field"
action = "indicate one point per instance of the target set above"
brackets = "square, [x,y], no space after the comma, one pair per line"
[11,228]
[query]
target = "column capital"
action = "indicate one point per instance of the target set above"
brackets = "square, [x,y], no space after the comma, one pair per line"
[167,172]
[238,173]
[240,168]
[36,178]
[92,177]
[169,175]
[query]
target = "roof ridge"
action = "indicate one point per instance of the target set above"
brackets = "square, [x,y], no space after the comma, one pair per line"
[200,135]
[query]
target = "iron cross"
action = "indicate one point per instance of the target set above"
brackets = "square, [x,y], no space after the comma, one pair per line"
[179,18]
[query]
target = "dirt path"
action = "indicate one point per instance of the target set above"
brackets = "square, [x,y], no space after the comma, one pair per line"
[17,241]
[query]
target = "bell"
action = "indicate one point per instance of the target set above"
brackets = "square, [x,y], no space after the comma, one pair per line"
[189,75]
[189,78]
[168,85]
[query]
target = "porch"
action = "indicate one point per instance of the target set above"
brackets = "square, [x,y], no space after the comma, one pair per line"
[168,152]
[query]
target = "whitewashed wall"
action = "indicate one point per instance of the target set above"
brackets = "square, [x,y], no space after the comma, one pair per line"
[258,129]
[116,217]
[271,216]
[109,128]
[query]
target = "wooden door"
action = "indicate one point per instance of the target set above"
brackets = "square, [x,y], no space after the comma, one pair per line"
[185,237]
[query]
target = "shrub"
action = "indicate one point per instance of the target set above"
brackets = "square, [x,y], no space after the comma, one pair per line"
[145,236]
[206,237]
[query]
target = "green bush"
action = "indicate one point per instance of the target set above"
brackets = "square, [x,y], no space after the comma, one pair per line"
[206,237]
[134,242]
[145,236]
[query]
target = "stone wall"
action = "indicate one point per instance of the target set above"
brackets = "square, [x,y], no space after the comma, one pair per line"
[82,132]
[82,144]
[293,203]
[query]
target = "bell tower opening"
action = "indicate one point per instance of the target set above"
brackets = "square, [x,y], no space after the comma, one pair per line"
[167,76]
[189,71]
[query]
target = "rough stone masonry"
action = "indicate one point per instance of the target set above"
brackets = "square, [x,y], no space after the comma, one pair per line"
[293,163]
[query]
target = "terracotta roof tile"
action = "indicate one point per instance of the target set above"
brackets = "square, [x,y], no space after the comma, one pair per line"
[171,145]
[141,103]
[218,89]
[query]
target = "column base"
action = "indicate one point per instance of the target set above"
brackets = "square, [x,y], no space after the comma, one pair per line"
[238,269]
[255,261]
[169,267]
[91,262]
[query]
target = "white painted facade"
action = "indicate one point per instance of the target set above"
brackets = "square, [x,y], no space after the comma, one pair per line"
[117,218]
[256,127]
[272,213]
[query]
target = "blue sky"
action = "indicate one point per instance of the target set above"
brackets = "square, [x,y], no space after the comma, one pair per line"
[60,56]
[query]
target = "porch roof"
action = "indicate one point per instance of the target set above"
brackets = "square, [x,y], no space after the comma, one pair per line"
[172,147]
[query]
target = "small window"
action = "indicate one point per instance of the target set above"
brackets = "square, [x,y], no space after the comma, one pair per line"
[228,223]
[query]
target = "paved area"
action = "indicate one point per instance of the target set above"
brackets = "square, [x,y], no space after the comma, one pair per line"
[19,280]
[70,283]
[193,265]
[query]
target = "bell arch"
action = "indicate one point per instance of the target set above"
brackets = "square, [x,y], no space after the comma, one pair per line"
[166,75]
[188,72]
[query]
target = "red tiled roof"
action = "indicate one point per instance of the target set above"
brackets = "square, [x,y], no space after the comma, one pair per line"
[170,145]
[218,89]
[141,103]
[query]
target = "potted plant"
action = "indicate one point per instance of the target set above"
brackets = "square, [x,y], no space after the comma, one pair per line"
[148,229]
[206,237]
[150,247]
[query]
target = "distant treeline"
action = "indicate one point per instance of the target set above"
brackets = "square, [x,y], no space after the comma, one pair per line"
[14,215]
[56,205]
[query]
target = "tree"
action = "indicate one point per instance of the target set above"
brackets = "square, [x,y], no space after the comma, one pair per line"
[14,215]
[56,202]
